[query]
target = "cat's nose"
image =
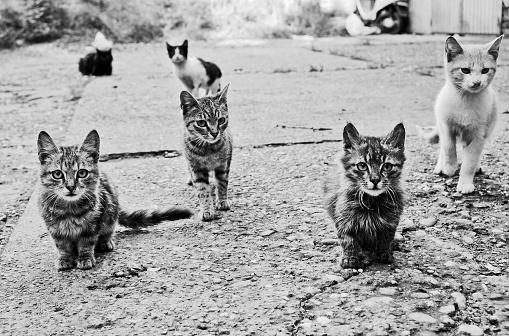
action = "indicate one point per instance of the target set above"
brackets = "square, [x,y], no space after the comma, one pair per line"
[214,135]
[375,181]
[71,188]
[476,84]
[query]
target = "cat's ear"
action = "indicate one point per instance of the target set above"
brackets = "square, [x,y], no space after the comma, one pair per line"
[350,136]
[452,48]
[185,44]
[169,47]
[187,102]
[91,145]
[45,146]
[396,138]
[221,96]
[494,46]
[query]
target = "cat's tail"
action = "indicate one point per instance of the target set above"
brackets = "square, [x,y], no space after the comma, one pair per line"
[429,133]
[144,218]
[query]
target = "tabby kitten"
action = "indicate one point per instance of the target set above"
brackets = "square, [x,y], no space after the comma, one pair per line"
[194,73]
[208,149]
[80,205]
[365,197]
[465,109]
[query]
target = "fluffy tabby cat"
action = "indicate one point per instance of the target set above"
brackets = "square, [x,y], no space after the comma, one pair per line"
[208,150]
[80,205]
[466,108]
[194,73]
[365,197]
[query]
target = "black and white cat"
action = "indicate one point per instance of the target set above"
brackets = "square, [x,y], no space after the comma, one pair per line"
[98,61]
[195,73]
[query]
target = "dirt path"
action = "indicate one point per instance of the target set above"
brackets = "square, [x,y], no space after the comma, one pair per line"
[269,267]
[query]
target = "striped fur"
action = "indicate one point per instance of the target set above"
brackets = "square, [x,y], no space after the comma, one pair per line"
[365,197]
[80,205]
[208,149]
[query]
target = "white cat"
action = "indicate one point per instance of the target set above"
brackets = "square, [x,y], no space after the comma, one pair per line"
[465,109]
[194,73]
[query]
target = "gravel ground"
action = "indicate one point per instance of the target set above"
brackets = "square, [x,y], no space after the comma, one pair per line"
[269,267]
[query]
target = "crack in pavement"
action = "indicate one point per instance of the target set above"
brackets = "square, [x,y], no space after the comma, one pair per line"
[172,153]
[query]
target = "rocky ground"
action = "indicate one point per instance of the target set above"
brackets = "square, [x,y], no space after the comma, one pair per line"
[269,267]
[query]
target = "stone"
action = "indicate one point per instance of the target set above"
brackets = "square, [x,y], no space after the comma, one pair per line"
[448,310]
[422,318]
[387,291]
[447,321]
[332,277]
[322,320]
[471,330]
[460,300]
[377,301]
[468,240]
[330,241]
[311,290]
[481,205]
[450,263]
[496,296]
[335,296]
[420,295]
[477,296]
[427,222]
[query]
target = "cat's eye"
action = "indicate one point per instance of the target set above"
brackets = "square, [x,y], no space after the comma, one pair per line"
[82,173]
[57,174]
[201,123]
[221,120]
[362,166]
[466,71]
[387,167]
[485,70]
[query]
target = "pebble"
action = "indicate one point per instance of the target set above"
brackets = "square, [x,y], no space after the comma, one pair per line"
[448,310]
[378,300]
[447,321]
[311,290]
[496,296]
[460,300]
[450,263]
[427,222]
[387,291]
[335,296]
[420,295]
[330,241]
[477,296]
[468,240]
[323,320]
[332,277]
[466,329]
[422,318]
[481,205]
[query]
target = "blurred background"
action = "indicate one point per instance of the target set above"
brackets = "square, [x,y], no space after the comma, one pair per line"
[34,21]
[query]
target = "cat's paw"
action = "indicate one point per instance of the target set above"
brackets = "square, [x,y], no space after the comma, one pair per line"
[351,262]
[465,188]
[86,263]
[449,170]
[209,215]
[384,257]
[105,246]
[223,205]
[65,264]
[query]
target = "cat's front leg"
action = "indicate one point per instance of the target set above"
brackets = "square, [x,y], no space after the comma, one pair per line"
[86,246]
[469,166]
[66,254]
[383,251]
[221,176]
[351,257]
[203,189]
[448,154]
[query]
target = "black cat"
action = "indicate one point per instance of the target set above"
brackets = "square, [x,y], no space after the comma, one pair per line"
[97,64]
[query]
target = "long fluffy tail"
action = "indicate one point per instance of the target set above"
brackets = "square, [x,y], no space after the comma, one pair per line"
[429,133]
[143,218]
